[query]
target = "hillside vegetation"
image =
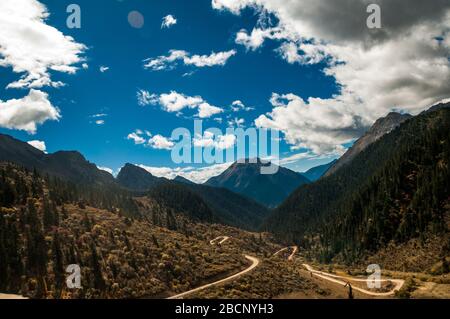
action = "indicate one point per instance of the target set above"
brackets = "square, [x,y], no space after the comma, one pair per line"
[394,191]
[47,224]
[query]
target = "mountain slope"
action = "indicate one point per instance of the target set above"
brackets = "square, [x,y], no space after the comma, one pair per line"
[71,166]
[317,172]
[395,190]
[42,231]
[215,204]
[181,179]
[233,209]
[246,179]
[381,127]
[136,178]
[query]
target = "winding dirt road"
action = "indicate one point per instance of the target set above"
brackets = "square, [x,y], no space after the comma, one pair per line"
[291,256]
[221,238]
[7,296]
[255,262]
[341,280]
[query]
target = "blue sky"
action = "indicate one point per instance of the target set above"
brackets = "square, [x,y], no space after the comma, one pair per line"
[250,76]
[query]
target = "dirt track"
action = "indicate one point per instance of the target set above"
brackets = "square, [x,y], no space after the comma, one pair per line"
[344,280]
[255,262]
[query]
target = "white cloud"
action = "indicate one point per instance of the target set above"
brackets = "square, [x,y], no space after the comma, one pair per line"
[199,61]
[103,69]
[85,66]
[197,175]
[33,48]
[160,142]
[99,115]
[99,118]
[175,102]
[168,21]
[401,66]
[136,137]
[40,145]
[206,110]
[221,142]
[213,59]
[303,53]
[320,125]
[238,105]
[145,98]
[28,112]
[256,38]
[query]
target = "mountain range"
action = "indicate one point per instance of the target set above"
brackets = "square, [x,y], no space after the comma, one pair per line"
[317,172]
[68,165]
[397,156]
[381,127]
[393,190]
[246,179]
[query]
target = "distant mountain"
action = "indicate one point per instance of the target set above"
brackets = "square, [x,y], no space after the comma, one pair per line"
[233,209]
[317,172]
[246,179]
[381,127]
[396,190]
[224,205]
[68,165]
[181,179]
[440,106]
[137,178]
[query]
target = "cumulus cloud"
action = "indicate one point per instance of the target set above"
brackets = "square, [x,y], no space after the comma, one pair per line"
[28,112]
[175,102]
[168,21]
[40,145]
[256,38]
[199,61]
[209,140]
[160,142]
[32,48]
[402,66]
[136,137]
[321,125]
[157,142]
[197,175]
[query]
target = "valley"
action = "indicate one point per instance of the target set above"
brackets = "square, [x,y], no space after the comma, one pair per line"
[137,236]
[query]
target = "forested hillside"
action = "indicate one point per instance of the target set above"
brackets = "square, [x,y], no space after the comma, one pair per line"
[200,202]
[139,249]
[395,190]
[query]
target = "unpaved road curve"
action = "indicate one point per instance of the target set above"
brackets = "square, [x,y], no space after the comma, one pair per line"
[7,296]
[219,240]
[291,256]
[255,262]
[341,280]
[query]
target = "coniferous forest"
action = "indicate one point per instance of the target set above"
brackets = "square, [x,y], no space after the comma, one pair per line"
[396,190]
